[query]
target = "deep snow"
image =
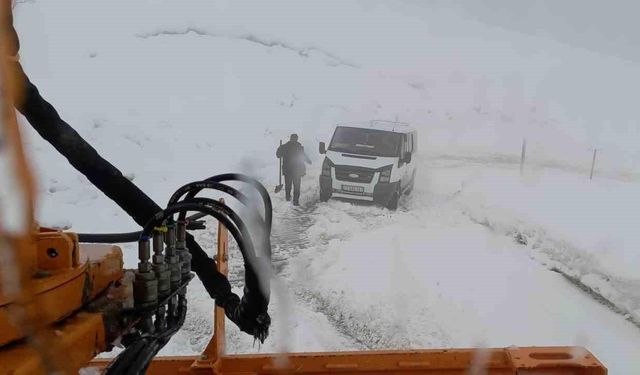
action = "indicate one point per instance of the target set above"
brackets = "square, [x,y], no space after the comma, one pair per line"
[172,92]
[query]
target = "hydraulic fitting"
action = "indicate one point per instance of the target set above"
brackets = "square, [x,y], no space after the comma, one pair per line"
[163,274]
[145,285]
[183,252]
[173,260]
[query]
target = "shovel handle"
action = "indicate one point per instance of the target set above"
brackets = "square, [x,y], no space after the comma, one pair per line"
[280,168]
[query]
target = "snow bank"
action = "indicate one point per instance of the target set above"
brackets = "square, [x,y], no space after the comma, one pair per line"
[425,284]
[583,228]
[431,277]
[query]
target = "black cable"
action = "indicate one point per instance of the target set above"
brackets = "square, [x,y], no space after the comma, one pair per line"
[265,238]
[216,209]
[130,236]
[212,183]
[249,314]
[108,237]
[193,188]
[108,179]
[160,340]
[266,199]
[229,219]
[123,362]
[201,185]
[135,359]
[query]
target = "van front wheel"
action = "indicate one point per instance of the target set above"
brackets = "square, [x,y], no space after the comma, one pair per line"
[393,202]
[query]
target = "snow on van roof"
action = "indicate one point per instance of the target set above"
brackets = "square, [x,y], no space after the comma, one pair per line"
[392,126]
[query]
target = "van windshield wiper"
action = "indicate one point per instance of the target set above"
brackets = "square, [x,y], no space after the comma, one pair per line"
[361,151]
[359,156]
[365,146]
[357,151]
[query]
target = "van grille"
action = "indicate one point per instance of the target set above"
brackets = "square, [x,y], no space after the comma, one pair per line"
[354,174]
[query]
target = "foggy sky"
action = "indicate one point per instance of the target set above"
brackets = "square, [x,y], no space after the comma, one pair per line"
[605,27]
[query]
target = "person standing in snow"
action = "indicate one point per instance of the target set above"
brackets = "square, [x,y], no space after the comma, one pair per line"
[293,168]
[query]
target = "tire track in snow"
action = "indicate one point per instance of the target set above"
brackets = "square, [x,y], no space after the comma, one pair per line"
[291,240]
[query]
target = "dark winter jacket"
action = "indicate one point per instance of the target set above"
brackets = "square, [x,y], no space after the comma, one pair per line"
[293,159]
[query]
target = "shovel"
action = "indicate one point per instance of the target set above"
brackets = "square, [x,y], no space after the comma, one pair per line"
[279,187]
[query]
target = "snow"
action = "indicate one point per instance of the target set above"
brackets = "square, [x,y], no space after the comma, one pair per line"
[580,227]
[431,275]
[172,92]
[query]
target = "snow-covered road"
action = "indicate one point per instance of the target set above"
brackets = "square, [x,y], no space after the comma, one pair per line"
[426,276]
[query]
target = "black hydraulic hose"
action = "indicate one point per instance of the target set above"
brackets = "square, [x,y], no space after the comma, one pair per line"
[133,236]
[178,321]
[160,340]
[123,362]
[103,175]
[44,118]
[81,155]
[193,188]
[266,199]
[135,359]
[128,236]
[250,314]
[200,185]
[238,230]
[216,209]
[108,237]
[251,260]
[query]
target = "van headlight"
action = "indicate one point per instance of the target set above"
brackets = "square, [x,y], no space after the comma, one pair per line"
[385,173]
[326,167]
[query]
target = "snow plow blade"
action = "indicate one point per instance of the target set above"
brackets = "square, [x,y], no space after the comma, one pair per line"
[516,361]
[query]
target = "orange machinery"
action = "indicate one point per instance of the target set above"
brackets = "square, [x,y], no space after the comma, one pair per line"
[63,302]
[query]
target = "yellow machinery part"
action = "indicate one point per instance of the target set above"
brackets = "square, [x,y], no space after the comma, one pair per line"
[67,277]
[61,284]
[70,346]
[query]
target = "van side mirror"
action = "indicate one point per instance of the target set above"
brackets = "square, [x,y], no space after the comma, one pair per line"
[322,148]
[407,157]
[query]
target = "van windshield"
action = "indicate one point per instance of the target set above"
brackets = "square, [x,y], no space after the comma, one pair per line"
[365,142]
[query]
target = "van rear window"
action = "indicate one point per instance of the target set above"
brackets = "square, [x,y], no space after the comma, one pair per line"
[365,142]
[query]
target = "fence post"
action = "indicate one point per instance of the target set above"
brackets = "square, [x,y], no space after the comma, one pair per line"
[522,156]
[593,163]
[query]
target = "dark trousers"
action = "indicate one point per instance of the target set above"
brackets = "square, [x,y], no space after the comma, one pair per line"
[295,181]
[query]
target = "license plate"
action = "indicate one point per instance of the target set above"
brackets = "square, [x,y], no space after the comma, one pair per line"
[353,189]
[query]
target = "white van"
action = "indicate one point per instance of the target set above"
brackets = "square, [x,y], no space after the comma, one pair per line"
[369,161]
